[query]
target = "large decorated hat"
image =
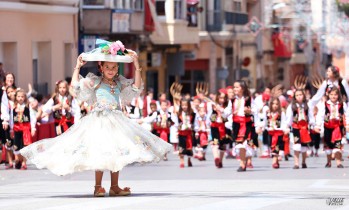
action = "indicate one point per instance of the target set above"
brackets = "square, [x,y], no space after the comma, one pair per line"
[108,51]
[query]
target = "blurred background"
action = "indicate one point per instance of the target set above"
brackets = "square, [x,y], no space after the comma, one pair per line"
[188,41]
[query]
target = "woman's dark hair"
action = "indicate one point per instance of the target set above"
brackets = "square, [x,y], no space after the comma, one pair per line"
[14,79]
[335,72]
[189,112]
[279,110]
[225,104]
[245,91]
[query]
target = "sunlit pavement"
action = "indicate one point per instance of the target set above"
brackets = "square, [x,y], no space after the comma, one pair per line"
[166,186]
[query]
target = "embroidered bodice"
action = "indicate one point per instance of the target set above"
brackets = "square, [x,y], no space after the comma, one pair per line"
[99,95]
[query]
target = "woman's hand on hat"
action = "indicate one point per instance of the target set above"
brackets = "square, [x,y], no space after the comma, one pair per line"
[79,62]
[134,57]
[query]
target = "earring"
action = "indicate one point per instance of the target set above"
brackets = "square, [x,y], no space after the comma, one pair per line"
[102,74]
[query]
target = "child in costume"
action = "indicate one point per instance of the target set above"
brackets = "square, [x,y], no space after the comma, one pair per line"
[22,126]
[241,108]
[105,139]
[276,124]
[221,136]
[334,114]
[185,123]
[202,131]
[64,109]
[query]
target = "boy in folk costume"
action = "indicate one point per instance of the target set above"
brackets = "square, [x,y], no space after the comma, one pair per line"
[334,114]
[148,121]
[299,118]
[161,122]
[202,131]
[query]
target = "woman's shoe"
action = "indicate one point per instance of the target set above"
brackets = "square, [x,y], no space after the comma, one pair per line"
[10,166]
[295,167]
[276,165]
[216,162]
[304,165]
[24,167]
[181,165]
[249,165]
[340,166]
[241,169]
[123,192]
[328,165]
[99,191]
[189,163]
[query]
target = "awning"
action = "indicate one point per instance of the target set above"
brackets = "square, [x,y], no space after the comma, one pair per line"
[192,2]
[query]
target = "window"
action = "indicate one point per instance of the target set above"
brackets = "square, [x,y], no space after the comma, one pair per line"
[178,10]
[160,7]
[122,4]
[94,2]
[237,6]
[137,4]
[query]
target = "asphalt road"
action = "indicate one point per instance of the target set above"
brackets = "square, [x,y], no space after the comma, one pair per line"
[166,186]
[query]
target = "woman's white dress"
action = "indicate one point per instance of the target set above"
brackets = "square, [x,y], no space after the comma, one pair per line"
[105,139]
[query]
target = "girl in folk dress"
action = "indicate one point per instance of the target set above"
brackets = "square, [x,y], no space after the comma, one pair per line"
[276,124]
[185,123]
[64,109]
[299,118]
[221,136]
[241,109]
[22,125]
[334,115]
[105,139]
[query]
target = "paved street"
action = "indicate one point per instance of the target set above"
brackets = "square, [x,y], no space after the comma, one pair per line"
[166,186]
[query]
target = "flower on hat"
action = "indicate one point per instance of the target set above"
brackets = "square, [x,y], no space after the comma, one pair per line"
[122,47]
[113,48]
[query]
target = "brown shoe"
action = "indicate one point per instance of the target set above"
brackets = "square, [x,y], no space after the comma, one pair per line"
[123,192]
[99,191]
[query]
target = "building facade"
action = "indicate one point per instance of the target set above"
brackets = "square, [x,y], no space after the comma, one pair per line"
[38,41]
